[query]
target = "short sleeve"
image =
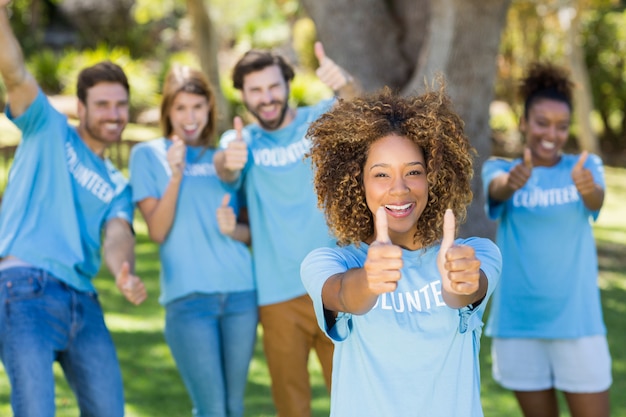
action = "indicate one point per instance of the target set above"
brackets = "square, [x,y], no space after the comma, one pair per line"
[491,169]
[142,174]
[38,120]
[317,267]
[122,206]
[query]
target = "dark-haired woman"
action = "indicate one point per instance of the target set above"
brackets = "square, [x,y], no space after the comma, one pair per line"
[546,316]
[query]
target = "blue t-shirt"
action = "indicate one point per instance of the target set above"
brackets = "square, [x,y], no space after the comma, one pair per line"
[195,257]
[549,279]
[59,196]
[411,354]
[282,205]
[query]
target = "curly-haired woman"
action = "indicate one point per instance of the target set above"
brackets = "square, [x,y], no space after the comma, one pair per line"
[546,318]
[401,298]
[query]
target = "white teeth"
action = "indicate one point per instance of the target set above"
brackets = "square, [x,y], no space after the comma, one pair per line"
[402,207]
[190,127]
[111,126]
[547,145]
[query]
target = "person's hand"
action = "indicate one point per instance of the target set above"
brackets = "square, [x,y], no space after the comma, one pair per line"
[130,285]
[176,156]
[583,179]
[4,3]
[384,259]
[458,266]
[226,219]
[329,72]
[518,176]
[236,153]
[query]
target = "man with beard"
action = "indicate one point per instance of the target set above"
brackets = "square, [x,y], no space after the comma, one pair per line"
[266,159]
[62,196]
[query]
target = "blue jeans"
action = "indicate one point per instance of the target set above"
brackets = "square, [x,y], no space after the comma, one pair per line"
[43,320]
[212,337]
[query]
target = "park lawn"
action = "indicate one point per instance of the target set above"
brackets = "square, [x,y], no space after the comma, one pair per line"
[154,389]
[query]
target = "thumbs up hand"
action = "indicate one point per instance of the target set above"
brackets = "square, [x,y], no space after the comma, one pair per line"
[236,153]
[130,285]
[458,266]
[519,175]
[384,259]
[176,156]
[226,219]
[329,72]
[582,177]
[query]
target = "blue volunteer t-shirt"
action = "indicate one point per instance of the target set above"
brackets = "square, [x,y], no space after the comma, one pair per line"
[59,196]
[284,219]
[411,354]
[549,279]
[195,257]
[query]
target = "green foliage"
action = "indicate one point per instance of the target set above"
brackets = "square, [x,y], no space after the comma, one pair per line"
[147,11]
[503,119]
[254,23]
[23,19]
[143,85]
[264,33]
[304,37]
[604,35]
[307,89]
[185,57]
[44,65]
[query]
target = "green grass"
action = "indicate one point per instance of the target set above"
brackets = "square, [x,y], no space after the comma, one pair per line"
[154,389]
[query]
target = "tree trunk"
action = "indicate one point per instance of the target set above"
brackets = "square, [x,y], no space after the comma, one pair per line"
[583,98]
[402,43]
[206,46]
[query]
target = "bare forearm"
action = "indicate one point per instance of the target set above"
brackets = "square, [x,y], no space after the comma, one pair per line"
[595,199]
[242,233]
[21,86]
[11,59]
[160,215]
[119,245]
[347,293]
[499,189]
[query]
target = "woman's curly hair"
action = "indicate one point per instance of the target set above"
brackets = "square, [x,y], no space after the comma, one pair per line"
[545,81]
[341,139]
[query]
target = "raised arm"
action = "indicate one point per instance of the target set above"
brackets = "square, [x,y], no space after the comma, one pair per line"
[21,86]
[335,77]
[230,162]
[119,256]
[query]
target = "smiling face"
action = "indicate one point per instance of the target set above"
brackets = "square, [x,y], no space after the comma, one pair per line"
[546,129]
[265,94]
[394,176]
[103,116]
[189,114]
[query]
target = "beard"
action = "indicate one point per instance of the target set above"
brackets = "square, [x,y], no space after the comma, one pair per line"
[270,124]
[94,129]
